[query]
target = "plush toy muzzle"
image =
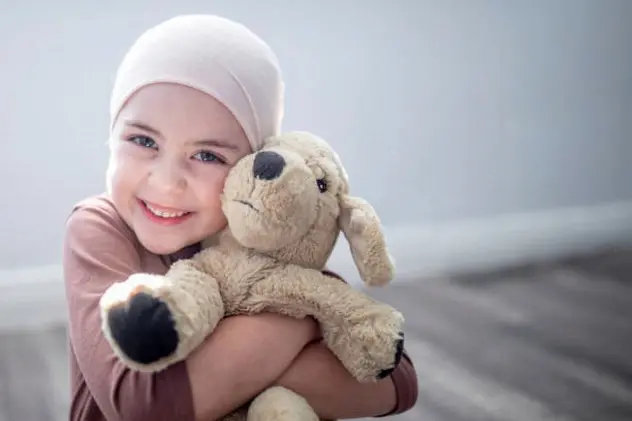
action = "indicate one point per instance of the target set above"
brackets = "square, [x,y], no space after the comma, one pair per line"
[273,199]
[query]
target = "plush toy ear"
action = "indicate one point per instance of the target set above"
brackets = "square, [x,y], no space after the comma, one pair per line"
[362,228]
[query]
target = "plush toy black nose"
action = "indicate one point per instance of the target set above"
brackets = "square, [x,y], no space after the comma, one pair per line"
[268,165]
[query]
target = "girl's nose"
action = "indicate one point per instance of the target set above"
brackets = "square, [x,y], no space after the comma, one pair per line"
[168,176]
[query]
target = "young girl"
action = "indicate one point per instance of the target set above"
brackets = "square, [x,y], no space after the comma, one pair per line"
[192,96]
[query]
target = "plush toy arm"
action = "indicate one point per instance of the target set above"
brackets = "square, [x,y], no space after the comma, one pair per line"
[152,321]
[365,335]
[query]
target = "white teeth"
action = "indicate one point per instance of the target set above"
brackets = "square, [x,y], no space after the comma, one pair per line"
[164,214]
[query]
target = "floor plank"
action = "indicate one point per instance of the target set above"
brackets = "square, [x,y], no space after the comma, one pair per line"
[537,343]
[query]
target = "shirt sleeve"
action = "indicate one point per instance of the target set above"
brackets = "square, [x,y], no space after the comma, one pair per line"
[406,389]
[99,250]
[404,376]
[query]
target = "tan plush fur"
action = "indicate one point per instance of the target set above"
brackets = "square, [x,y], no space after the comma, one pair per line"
[286,206]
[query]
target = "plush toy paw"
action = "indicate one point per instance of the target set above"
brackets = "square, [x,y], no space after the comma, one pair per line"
[399,352]
[371,346]
[138,322]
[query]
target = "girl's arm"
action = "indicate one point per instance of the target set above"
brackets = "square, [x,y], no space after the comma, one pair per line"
[242,357]
[319,377]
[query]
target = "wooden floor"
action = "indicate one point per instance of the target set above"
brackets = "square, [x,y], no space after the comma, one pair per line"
[546,342]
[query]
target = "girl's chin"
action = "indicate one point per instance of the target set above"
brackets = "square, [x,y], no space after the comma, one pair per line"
[166,240]
[163,246]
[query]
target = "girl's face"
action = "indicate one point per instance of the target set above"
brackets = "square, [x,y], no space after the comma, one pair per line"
[171,149]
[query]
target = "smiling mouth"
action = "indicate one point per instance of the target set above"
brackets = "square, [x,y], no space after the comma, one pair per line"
[163,212]
[245,202]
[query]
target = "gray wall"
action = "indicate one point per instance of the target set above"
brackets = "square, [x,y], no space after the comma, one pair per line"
[472,108]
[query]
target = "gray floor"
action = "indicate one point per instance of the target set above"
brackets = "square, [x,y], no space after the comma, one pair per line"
[546,342]
[33,375]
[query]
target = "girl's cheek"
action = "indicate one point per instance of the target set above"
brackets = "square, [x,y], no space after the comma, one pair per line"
[129,151]
[209,174]
[207,182]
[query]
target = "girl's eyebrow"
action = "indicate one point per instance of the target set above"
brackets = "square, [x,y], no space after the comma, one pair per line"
[142,126]
[213,143]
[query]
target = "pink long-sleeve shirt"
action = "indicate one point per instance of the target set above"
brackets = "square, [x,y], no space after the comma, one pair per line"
[100,249]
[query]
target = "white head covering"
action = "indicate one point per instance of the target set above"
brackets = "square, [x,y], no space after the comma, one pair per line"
[215,55]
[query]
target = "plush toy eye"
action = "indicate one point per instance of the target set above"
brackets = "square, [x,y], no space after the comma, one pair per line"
[322,185]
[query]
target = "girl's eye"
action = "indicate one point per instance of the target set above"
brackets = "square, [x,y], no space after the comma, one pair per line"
[207,156]
[143,141]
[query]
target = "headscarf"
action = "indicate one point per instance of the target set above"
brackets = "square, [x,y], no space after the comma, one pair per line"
[215,55]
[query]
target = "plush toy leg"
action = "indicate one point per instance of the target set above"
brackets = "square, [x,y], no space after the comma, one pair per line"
[153,321]
[280,404]
[366,335]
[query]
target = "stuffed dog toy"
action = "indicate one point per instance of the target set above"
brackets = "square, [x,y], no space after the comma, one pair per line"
[285,206]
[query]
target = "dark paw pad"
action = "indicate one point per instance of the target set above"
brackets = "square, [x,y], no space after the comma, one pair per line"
[144,329]
[399,352]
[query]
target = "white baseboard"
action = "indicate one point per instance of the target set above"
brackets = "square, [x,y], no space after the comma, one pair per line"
[34,297]
[480,245]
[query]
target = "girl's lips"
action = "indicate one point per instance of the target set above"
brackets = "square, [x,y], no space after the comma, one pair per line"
[162,215]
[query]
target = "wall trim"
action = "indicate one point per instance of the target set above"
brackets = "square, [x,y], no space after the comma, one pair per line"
[35,297]
[486,244]
[32,297]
